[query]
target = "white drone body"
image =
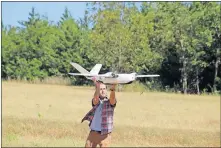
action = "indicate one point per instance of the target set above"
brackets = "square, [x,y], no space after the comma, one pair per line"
[109,77]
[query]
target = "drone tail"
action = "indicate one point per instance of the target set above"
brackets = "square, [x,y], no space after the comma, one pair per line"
[96,69]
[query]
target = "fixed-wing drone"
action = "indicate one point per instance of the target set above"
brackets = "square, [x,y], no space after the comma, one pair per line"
[109,77]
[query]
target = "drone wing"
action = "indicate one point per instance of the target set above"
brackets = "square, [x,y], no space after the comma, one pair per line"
[142,76]
[90,75]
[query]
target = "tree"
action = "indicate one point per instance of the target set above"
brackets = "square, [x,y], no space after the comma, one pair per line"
[212,20]
[68,48]
[40,38]
[120,37]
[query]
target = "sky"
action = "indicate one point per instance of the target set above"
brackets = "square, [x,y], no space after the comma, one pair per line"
[12,12]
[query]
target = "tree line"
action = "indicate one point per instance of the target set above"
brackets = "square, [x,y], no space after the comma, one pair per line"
[178,40]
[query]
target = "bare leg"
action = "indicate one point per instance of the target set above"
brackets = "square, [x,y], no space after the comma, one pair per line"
[91,140]
[105,141]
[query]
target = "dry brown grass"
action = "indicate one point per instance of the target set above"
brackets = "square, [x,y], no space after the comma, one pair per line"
[50,115]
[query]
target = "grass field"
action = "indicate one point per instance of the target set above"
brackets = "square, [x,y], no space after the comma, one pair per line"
[50,115]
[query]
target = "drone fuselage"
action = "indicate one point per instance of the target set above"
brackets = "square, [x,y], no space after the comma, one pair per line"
[119,79]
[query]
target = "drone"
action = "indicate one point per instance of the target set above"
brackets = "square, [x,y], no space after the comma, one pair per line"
[109,77]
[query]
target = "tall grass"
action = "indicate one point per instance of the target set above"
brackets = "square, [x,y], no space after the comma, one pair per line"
[136,86]
[49,80]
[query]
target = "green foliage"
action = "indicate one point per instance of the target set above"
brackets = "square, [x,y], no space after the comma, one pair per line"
[178,40]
